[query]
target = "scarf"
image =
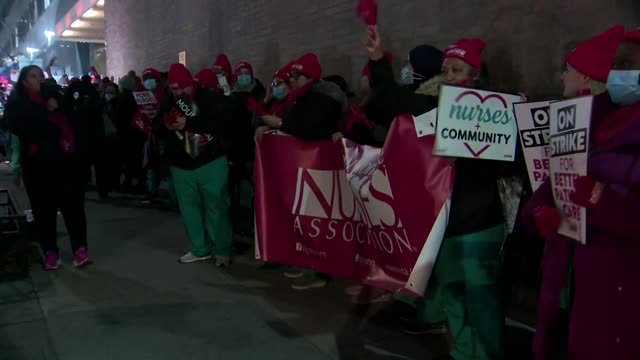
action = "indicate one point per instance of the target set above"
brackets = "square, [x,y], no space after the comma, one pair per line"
[614,125]
[295,95]
[66,141]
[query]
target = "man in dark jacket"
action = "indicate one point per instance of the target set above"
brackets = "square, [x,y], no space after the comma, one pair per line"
[242,151]
[193,124]
[314,107]
[84,107]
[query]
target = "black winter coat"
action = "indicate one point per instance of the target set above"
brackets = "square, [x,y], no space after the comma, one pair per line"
[242,128]
[40,138]
[211,120]
[316,114]
[388,99]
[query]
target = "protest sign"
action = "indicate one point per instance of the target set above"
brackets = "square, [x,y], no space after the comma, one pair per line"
[533,125]
[147,107]
[476,124]
[372,215]
[570,122]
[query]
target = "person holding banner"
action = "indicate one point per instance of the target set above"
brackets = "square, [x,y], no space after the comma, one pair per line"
[420,78]
[606,268]
[274,102]
[418,95]
[588,67]
[193,122]
[314,107]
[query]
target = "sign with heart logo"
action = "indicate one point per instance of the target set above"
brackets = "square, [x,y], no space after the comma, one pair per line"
[476,124]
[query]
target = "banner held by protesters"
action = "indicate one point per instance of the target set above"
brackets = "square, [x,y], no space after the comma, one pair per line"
[356,212]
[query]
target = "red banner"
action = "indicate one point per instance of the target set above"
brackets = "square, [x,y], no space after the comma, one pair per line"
[372,215]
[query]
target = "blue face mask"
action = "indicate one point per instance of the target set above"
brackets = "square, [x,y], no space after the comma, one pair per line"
[244,79]
[279,92]
[624,87]
[407,77]
[109,97]
[150,84]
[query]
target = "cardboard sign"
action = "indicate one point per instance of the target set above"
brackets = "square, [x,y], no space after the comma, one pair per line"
[569,140]
[533,125]
[476,124]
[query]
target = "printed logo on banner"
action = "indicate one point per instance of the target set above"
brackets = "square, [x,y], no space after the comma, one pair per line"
[476,124]
[326,204]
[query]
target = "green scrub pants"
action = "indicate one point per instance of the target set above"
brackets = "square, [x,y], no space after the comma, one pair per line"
[468,268]
[203,199]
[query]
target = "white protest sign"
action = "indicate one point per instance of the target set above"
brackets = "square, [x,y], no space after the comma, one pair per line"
[570,121]
[144,97]
[533,125]
[224,85]
[476,124]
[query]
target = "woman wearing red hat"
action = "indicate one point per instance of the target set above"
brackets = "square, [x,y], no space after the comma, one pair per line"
[469,260]
[587,70]
[311,111]
[604,313]
[193,122]
[314,107]
[222,69]
[275,100]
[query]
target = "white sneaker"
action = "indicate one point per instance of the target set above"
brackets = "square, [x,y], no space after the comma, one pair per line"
[190,258]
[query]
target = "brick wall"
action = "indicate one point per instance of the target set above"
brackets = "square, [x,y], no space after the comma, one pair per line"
[526,40]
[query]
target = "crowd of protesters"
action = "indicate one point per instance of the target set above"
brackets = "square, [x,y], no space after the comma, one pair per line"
[200,134]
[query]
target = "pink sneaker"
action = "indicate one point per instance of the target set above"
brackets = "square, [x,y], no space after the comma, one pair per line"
[51,261]
[81,259]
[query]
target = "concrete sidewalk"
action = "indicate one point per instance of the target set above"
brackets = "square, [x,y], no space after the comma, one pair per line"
[138,302]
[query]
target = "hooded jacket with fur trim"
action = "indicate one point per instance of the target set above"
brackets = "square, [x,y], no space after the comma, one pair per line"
[315,115]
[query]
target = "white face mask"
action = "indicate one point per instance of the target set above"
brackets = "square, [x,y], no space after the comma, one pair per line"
[624,86]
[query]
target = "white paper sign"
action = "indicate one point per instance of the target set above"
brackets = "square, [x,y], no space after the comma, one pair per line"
[476,124]
[570,122]
[533,125]
[144,97]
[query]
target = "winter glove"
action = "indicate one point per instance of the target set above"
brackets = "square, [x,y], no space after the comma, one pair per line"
[547,220]
[587,192]
[368,11]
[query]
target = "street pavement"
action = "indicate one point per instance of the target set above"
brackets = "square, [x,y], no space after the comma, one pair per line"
[137,302]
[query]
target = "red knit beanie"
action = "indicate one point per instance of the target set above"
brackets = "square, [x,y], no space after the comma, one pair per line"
[309,65]
[151,73]
[366,71]
[594,57]
[222,63]
[244,65]
[208,78]
[180,77]
[467,50]
[633,35]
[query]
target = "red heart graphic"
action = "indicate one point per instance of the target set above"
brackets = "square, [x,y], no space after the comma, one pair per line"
[476,154]
[481,98]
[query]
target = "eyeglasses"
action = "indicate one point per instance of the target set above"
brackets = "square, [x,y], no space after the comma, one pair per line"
[295,75]
[277,83]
